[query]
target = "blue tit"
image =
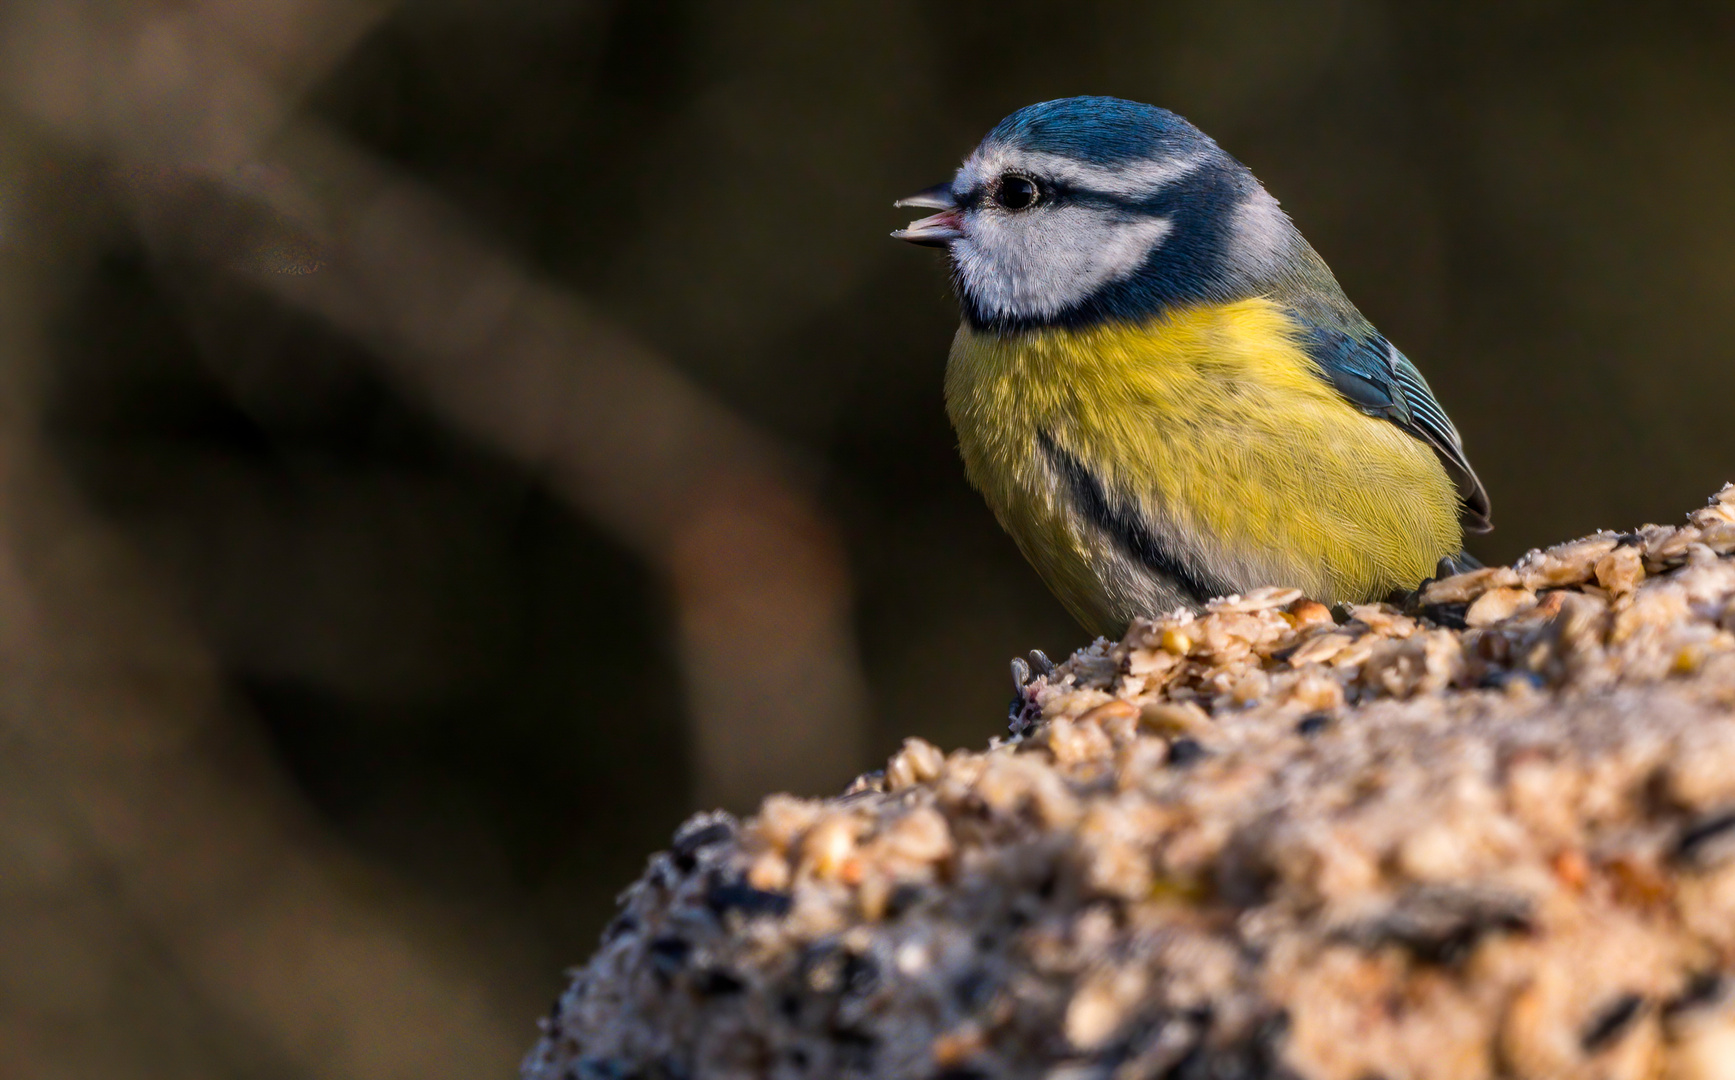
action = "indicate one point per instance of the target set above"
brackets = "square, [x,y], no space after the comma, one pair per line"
[1161,390]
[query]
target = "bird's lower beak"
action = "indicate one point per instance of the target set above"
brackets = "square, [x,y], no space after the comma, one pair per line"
[937,230]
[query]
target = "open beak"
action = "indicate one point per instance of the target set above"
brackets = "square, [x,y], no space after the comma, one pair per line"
[937,230]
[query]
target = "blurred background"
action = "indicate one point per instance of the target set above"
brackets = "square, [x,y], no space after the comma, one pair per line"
[444,443]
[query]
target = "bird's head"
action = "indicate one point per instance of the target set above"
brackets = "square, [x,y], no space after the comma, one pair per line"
[1092,208]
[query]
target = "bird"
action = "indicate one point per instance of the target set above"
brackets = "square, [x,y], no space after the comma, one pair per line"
[1160,388]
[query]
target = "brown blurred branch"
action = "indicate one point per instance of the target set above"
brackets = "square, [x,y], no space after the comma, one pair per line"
[757,575]
[148,848]
[113,707]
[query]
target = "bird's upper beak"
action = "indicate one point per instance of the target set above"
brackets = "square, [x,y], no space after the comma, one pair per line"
[937,230]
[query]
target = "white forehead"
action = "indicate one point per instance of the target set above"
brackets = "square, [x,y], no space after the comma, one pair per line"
[1128,179]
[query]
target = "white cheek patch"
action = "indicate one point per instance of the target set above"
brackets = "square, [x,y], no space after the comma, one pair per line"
[1042,261]
[1039,263]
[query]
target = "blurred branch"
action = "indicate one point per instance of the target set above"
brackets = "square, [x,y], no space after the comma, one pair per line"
[151,838]
[150,850]
[202,116]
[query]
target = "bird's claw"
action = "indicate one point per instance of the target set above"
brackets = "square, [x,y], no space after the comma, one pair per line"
[1023,713]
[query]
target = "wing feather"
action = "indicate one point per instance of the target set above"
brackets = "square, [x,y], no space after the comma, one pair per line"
[1378,379]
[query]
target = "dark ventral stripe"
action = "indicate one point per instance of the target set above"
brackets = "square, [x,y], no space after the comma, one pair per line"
[1125,526]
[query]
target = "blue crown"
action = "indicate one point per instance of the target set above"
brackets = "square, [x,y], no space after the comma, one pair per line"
[1099,130]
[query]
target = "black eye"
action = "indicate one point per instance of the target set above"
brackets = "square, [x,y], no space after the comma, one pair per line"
[1015,192]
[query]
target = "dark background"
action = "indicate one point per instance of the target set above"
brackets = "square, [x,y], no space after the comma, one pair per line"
[440,707]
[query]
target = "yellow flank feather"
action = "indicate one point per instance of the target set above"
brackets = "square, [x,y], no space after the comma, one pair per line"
[1214,426]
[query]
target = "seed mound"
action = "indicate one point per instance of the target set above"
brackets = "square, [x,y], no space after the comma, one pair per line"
[1486,833]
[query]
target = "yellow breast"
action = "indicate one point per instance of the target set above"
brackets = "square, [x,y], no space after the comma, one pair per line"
[1210,429]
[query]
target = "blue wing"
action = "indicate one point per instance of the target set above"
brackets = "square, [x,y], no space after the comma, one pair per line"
[1380,381]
